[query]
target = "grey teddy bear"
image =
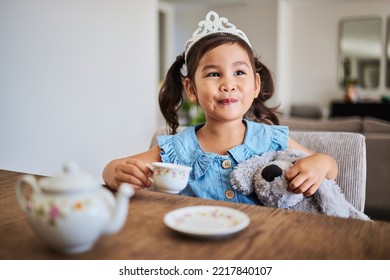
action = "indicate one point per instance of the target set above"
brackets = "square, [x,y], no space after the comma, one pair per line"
[264,175]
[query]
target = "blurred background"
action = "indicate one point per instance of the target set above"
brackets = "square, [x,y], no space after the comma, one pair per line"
[79,79]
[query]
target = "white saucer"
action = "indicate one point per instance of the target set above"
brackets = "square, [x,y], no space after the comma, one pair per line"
[206,221]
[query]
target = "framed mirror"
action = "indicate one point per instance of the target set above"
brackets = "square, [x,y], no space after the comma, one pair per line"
[360,52]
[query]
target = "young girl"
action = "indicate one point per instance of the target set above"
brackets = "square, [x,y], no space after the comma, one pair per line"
[220,72]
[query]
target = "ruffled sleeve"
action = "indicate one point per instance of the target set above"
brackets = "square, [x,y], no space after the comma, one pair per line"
[279,137]
[168,150]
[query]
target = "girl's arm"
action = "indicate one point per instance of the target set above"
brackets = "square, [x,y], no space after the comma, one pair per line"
[131,169]
[307,174]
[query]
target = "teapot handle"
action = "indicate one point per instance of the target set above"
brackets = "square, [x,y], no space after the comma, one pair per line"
[26,180]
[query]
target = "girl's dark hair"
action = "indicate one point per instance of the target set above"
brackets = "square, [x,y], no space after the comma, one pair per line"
[172,91]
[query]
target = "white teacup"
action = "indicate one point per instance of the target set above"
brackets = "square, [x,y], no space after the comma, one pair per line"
[169,177]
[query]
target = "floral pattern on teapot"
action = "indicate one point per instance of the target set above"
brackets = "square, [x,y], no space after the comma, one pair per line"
[58,208]
[54,210]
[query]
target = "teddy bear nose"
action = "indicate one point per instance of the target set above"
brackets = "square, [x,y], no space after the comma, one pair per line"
[270,172]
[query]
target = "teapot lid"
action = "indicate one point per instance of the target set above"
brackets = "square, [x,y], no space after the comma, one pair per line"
[72,179]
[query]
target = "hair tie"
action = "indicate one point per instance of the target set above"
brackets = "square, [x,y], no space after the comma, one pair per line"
[184,70]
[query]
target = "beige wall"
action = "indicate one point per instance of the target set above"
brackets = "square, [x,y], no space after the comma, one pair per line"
[78,80]
[314,48]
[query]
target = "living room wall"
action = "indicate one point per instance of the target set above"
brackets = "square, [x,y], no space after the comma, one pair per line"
[78,80]
[314,49]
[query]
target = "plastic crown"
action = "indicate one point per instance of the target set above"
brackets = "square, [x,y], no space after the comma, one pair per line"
[213,24]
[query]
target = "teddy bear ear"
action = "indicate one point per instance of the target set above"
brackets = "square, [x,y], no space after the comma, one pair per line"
[242,185]
[241,178]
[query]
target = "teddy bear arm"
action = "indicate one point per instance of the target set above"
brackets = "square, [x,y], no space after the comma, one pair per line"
[333,203]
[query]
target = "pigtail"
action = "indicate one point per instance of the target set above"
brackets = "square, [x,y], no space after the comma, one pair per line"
[171,94]
[259,111]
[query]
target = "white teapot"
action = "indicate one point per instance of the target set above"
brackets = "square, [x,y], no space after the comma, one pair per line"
[71,211]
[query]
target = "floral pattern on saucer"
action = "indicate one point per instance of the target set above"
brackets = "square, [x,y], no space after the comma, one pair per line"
[213,214]
[206,221]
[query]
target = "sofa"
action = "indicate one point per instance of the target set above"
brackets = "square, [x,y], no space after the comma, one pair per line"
[377,135]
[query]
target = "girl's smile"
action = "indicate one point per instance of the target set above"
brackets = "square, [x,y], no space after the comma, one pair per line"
[227,101]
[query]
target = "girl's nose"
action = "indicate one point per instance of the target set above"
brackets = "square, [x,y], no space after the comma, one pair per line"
[227,85]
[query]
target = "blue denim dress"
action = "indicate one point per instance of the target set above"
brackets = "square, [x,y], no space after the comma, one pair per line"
[210,175]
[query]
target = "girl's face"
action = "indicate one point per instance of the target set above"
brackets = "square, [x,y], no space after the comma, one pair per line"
[224,84]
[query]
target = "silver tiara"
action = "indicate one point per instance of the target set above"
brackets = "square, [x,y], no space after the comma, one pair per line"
[211,25]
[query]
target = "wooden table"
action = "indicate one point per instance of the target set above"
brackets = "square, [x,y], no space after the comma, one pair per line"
[272,234]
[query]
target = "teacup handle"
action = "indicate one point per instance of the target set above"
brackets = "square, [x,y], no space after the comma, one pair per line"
[151,169]
[26,180]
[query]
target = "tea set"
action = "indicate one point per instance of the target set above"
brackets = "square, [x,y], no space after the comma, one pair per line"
[71,211]
[169,177]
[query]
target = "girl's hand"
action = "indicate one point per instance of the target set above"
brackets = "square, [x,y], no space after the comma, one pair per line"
[307,173]
[132,171]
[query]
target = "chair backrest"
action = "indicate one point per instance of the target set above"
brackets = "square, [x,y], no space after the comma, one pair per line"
[348,149]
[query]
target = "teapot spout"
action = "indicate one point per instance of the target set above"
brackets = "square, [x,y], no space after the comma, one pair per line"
[119,215]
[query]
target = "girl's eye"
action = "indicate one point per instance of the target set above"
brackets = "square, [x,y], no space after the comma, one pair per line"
[239,73]
[213,74]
